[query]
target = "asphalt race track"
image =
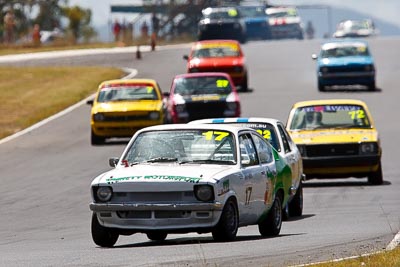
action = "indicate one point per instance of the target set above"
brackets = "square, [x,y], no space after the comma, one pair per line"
[45,174]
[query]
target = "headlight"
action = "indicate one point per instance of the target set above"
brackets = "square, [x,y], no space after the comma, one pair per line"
[369,67]
[238,69]
[324,69]
[180,108]
[193,70]
[232,105]
[368,148]
[204,192]
[103,193]
[154,115]
[98,117]
[236,26]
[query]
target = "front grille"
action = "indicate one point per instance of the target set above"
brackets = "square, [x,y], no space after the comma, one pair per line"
[119,118]
[153,197]
[332,150]
[204,110]
[345,69]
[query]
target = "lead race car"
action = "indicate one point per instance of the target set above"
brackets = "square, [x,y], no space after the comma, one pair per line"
[190,178]
[275,133]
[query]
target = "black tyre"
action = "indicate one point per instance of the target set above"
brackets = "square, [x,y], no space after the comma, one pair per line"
[96,140]
[245,84]
[157,236]
[103,236]
[296,205]
[376,177]
[371,86]
[271,225]
[228,224]
[321,87]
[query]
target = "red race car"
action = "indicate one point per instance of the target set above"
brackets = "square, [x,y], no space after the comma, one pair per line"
[203,95]
[219,56]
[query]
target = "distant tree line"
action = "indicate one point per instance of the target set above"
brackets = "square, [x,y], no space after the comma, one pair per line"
[20,16]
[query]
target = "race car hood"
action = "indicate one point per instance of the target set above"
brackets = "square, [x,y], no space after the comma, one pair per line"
[215,62]
[332,136]
[162,176]
[124,106]
[340,61]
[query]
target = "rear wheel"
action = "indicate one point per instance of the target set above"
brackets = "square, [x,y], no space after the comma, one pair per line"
[271,225]
[228,224]
[372,86]
[157,236]
[296,205]
[376,177]
[102,236]
[96,140]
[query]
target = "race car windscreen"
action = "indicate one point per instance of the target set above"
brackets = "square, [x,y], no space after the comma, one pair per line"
[127,93]
[183,146]
[330,116]
[202,85]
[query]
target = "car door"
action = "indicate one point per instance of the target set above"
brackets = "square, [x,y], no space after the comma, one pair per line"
[253,174]
[291,154]
[268,173]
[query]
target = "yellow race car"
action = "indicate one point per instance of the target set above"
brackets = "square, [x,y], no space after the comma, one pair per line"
[337,139]
[121,107]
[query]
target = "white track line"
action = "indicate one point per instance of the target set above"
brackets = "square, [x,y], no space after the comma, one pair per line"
[132,73]
[394,243]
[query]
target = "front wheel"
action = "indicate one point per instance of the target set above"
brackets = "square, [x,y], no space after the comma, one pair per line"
[376,177]
[321,87]
[271,225]
[103,236]
[228,224]
[371,86]
[157,236]
[296,205]
[245,84]
[96,140]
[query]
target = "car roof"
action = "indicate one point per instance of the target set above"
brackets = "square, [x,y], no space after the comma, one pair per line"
[202,74]
[223,127]
[219,41]
[238,120]
[329,102]
[347,41]
[127,81]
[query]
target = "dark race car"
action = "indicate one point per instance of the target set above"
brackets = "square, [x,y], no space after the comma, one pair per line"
[222,23]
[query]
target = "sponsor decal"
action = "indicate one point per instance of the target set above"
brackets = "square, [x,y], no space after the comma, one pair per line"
[172,178]
[224,189]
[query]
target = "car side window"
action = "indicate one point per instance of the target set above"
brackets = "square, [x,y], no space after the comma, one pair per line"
[248,154]
[284,136]
[264,149]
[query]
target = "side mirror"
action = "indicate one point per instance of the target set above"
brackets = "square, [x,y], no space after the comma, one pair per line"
[185,57]
[90,102]
[113,162]
[314,56]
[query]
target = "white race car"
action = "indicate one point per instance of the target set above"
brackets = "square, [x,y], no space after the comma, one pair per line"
[274,131]
[182,178]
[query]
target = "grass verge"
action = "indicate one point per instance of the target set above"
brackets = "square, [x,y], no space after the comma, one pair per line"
[29,95]
[387,259]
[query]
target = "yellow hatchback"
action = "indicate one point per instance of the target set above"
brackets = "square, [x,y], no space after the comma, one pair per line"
[121,107]
[337,139]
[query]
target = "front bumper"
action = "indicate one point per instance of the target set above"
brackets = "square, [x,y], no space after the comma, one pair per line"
[345,78]
[121,129]
[168,217]
[340,166]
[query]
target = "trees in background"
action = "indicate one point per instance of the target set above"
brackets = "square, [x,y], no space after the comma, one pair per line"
[49,15]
